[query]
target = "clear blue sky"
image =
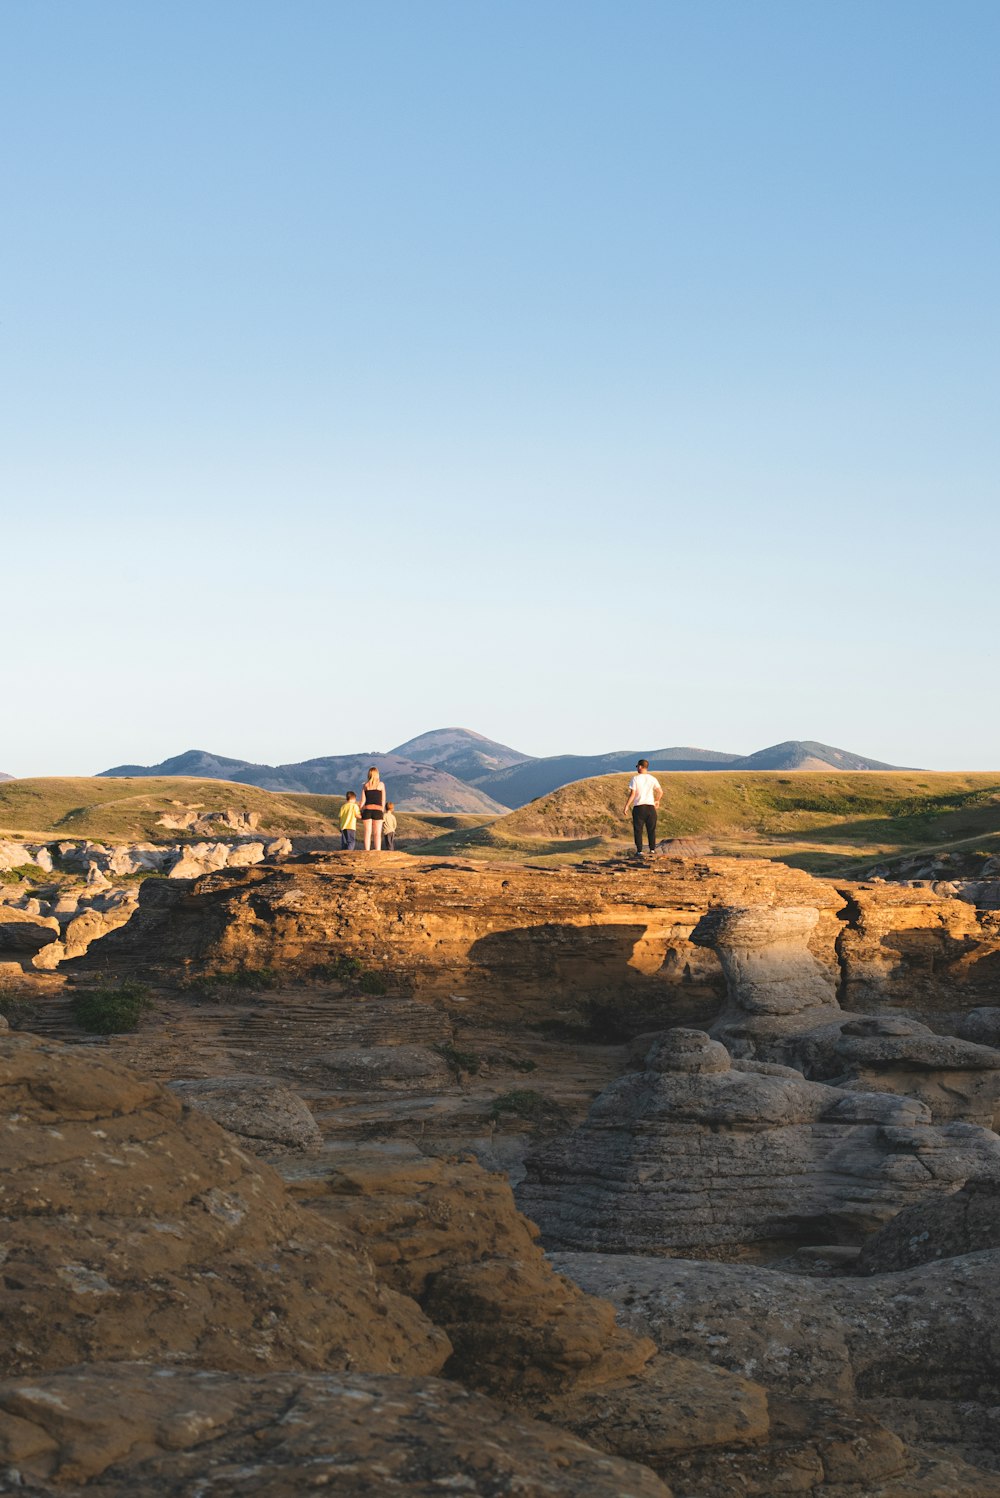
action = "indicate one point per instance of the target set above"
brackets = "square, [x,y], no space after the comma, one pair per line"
[589,374]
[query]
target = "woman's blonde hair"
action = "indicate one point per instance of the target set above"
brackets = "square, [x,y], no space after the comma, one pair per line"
[373,776]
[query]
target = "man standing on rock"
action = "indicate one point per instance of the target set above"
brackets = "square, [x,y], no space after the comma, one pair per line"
[644,796]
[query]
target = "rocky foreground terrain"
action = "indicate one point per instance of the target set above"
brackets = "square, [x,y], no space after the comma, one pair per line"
[419,1177]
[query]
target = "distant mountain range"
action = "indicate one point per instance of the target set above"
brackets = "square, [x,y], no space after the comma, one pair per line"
[455,770]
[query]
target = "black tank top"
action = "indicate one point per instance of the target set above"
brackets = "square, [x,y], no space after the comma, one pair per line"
[374,795]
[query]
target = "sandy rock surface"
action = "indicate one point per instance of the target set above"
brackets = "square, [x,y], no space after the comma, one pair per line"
[137,1228]
[118,1432]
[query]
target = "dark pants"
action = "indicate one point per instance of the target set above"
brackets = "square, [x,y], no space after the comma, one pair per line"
[347,839]
[389,841]
[644,816]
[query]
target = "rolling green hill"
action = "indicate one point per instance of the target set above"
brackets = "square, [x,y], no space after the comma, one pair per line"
[128,809]
[822,821]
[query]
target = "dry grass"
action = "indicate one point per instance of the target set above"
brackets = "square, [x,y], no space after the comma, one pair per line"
[823,821]
[129,809]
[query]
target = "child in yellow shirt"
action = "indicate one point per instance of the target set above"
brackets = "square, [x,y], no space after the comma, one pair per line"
[349,814]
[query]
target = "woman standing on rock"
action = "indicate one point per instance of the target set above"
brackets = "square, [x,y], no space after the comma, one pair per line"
[373,809]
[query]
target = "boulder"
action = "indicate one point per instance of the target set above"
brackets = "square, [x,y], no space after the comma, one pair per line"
[188,867]
[399,1067]
[981,1026]
[90,925]
[943,1227]
[280,847]
[135,1228]
[245,854]
[49,958]
[13,855]
[24,932]
[65,907]
[265,1116]
[697,1152]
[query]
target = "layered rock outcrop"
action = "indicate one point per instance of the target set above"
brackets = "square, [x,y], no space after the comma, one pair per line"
[910,1358]
[528,943]
[781,1007]
[698,1152]
[449,1234]
[908,947]
[136,1228]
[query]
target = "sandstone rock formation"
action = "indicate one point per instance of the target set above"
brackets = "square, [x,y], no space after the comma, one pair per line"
[781,1007]
[941,1227]
[120,1431]
[925,953]
[138,1229]
[909,1358]
[696,1152]
[448,1233]
[22,931]
[508,938]
[766,958]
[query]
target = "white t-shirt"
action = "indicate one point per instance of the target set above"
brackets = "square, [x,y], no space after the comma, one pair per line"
[643,786]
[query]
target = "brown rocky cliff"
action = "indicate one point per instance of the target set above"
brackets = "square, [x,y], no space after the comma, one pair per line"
[136,1228]
[528,941]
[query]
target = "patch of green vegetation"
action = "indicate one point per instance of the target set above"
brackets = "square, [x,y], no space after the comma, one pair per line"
[24,873]
[373,984]
[16,1008]
[352,972]
[338,970]
[243,979]
[527,1104]
[112,1010]
[459,1061]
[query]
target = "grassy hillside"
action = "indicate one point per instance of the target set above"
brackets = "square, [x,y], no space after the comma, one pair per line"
[821,821]
[128,809]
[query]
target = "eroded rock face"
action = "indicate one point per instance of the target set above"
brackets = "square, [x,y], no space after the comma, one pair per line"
[511,942]
[914,1352]
[696,1152]
[945,1227]
[766,958]
[449,1233]
[782,1007]
[120,1431]
[923,952]
[136,1228]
